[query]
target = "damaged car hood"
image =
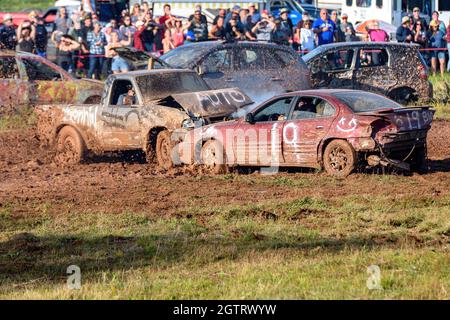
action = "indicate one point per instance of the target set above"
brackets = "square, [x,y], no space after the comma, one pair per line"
[211,102]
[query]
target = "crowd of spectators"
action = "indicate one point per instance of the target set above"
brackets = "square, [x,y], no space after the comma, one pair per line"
[85,45]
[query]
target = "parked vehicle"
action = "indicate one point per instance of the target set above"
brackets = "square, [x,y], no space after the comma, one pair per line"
[140,110]
[27,79]
[338,130]
[259,69]
[396,70]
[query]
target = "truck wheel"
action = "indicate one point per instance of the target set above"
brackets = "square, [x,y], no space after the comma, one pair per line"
[164,150]
[70,147]
[213,157]
[339,158]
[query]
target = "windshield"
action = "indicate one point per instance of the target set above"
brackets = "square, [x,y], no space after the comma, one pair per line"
[365,102]
[161,85]
[182,56]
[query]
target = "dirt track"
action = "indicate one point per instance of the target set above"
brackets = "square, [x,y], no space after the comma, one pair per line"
[29,179]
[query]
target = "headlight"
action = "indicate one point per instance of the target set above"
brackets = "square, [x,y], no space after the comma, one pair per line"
[193,123]
[188,124]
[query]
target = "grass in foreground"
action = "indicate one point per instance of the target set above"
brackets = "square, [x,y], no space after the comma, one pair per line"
[18,5]
[311,248]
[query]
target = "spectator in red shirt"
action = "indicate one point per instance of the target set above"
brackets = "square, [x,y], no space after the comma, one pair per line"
[137,37]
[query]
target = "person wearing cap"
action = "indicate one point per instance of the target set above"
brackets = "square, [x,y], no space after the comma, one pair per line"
[96,41]
[441,24]
[436,41]
[7,33]
[234,11]
[324,28]
[264,28]
[404,33]
[416,17]
[137,36]
[280,35]
[347,29]
[286,24]
[198,9]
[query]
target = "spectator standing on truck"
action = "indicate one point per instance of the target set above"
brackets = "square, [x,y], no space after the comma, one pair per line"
[222,14]
[65,49]
[96,41]
[404,33]
[324,28]
[255,17]
[167,15]
[135,13]
[198,8]
[436,41]
[118,64]
[137,37]
[7,33]
[25,37]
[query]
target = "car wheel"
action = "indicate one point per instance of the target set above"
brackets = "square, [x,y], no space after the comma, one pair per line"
[164,150]
[213,157]
[339,158]
[70,146]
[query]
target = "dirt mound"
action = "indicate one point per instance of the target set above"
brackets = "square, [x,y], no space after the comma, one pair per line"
[439,140]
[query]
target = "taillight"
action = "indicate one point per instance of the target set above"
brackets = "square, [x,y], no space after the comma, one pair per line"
[423,72]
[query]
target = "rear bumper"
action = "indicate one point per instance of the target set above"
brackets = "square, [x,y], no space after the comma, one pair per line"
[398,145]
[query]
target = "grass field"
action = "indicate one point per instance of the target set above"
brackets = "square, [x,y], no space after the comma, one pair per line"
[18,5]
[311,247]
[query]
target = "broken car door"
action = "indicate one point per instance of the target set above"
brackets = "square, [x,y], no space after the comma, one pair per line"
[308,124]
[257,141]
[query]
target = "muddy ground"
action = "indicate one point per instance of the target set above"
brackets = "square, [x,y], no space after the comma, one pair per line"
[29,179]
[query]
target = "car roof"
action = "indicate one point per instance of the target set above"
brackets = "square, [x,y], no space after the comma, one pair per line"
[216,43]
[357,44]
[138,73]
[322,92]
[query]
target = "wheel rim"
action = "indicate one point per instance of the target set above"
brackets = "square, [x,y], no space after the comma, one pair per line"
[209,156]
[67,151]
[165,152]
[339,159]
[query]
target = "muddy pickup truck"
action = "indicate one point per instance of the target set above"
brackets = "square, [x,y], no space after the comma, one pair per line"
[139,110]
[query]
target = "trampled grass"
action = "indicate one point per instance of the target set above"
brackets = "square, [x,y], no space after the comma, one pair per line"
[311,247]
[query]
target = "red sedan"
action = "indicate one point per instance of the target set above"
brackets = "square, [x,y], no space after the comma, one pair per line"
[337,130]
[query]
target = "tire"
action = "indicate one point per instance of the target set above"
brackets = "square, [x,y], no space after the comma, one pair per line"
[164,150]
[419,161]
[213,157]
[339,158]
[70,147]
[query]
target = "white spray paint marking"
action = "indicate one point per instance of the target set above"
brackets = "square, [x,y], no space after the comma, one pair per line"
[347,127]
[294,139]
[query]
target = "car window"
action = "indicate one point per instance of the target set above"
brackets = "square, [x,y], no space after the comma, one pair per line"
[217,61]
[334,61]
[275,111]
[250,59]
[373,57]
[8,68]
[278,59]
[365,101]
[121,93]
[312,107]
[39,71]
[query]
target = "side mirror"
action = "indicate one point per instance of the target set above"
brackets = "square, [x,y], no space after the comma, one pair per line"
[250,118]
